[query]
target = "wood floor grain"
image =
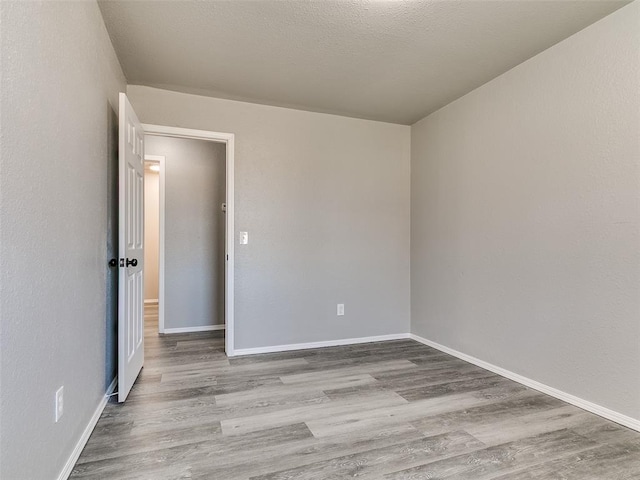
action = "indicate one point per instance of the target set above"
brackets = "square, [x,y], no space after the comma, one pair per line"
[388,410]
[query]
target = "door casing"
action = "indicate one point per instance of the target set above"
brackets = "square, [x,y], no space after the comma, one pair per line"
[229,140]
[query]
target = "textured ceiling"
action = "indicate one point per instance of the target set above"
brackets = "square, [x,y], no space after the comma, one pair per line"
[394,61]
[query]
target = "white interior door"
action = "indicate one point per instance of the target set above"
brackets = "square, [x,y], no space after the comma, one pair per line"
[131,248]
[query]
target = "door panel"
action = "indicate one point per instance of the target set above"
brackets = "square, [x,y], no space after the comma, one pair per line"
[131,248]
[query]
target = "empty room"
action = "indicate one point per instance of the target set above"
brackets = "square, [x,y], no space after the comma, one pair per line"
[291,239]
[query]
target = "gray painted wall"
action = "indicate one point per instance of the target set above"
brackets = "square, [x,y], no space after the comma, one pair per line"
[194,230]
[60,80]
[325,200]
[525,218]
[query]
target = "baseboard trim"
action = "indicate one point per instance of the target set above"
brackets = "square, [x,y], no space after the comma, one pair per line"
[151,300]
[329,343]
[541,387]
[84,438]
[204,328]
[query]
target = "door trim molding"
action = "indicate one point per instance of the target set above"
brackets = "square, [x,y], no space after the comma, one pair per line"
[229,140]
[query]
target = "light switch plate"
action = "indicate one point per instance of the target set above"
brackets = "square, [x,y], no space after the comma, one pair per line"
[244,238]
[59,403]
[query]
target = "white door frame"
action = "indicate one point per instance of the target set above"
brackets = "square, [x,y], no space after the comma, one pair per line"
[228,139]
[160,160]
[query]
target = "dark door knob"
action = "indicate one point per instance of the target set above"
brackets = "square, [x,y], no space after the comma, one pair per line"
[132,263]
[113,262]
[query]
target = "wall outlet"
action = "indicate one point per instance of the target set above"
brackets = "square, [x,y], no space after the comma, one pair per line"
[59,403]
[340,309]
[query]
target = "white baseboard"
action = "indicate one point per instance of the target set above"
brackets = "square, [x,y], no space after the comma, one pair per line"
[84,438]
[151,300]
[328,343]
[204,328]
[609,414]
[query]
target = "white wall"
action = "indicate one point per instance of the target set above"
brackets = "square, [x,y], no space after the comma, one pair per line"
[194,230]
[525,218]
[151,234]
[325,200]
[60,80]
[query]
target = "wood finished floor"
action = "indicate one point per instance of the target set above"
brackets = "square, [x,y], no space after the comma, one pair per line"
[389,410]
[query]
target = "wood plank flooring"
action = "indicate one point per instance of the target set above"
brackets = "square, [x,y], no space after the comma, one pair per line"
[389,410]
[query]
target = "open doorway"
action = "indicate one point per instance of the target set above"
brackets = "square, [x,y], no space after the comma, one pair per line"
[152,229]
[187,190]
[152,165]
